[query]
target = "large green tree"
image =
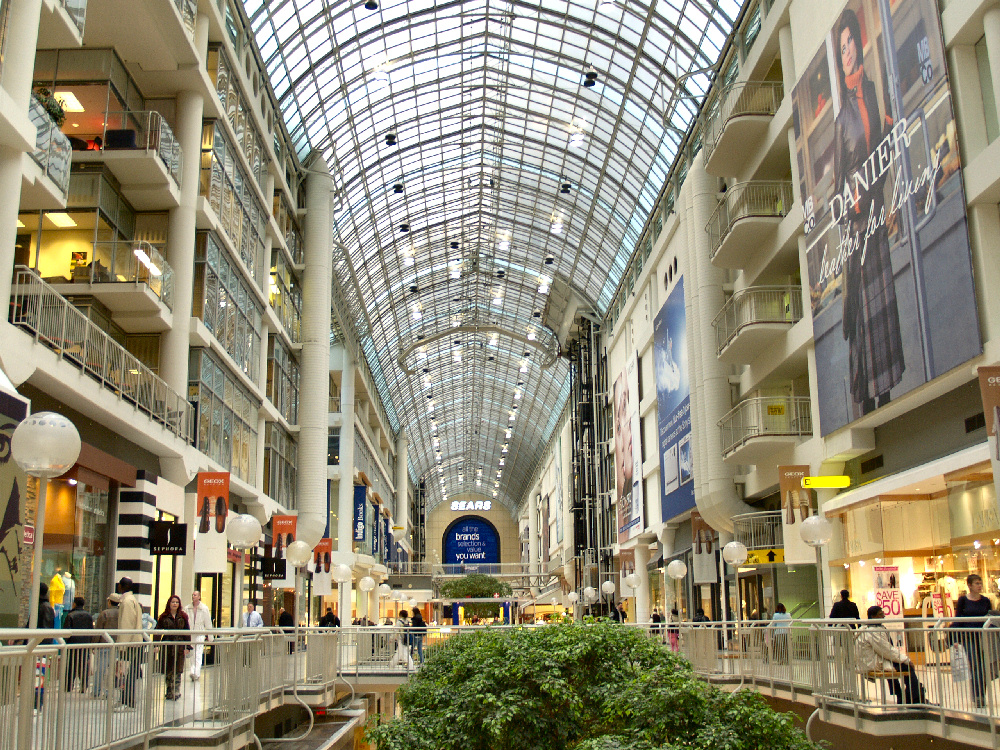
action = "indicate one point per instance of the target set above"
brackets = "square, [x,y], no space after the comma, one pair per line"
[583,687]
[477,586]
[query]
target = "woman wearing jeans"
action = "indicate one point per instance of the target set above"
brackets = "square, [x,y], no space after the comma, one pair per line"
[418,628]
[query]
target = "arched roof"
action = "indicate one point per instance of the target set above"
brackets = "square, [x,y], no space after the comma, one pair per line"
[475,172]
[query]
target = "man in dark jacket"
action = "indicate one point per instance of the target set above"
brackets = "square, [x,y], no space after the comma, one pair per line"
[77,619]
[329,620]
[845,609]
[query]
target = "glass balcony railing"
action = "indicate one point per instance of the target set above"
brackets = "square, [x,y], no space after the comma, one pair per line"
[53,152]
[129,263]
[765,416]
[753,305]
[188,10]
[760,198]
[746,98]
[77,10]
[51,320]
[759,530]
[143,131]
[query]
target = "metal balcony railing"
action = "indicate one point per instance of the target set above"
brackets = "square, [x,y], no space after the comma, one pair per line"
[51,320]
[759,530]
[188,10]
[763,198]
[764,416]
[129,263]
[739,100]
[143,131]
[757,304]
[53,152]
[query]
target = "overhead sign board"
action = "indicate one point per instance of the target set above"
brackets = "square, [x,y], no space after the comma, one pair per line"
[764,556]
[825,483]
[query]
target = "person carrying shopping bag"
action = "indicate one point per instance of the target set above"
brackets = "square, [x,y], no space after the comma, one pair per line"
[973,604]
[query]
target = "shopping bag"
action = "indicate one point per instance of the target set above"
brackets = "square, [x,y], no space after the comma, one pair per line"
[402,657]
[960,671]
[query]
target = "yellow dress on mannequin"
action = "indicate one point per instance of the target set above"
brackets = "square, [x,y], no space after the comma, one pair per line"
[57,589]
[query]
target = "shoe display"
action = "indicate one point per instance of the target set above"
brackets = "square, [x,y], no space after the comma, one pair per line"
[204,523]
[279,546]
[221,511]
[326,562]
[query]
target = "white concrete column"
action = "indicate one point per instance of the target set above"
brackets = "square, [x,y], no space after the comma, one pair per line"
[182,225]
[345,495]
[984,231]
[18,69]
[314,392]
[373,605]
[344,602]
[967,96]
[642,593]
[402,480]
[787,58]
[991,27]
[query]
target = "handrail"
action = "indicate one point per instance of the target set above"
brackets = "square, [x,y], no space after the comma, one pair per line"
[53,151]
[756,304]
[761,530]
[765,416]
[762,198]
[740,99]
[143,130]
[136,262]
[49,317]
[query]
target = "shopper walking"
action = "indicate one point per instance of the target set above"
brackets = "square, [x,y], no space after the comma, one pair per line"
[974,604]
[78,619]
[418,629]
[173,621]
[107,619]
[200,619]
[845,609]
[130,654]
[673,631]
[329,620]
[252,618]
[778,630]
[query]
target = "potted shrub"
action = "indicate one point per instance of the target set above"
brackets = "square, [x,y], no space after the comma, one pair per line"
[51,105]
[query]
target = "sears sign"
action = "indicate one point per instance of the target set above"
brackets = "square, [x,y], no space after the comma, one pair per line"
[471,541]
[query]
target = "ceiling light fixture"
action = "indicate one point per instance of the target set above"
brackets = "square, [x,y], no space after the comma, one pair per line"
[498,300]
[417,315]
[590,76]
[564,188]
[371,5]
[557,226]
[531,335]
[404,228]
[390,139]
[576,139]
[398,188]
[503,245]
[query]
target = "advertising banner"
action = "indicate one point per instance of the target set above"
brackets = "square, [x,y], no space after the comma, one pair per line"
[628,460]
[889,597]
[282,534]
[989,385]
[376,533]
[387,540]
[471,541]
[15,558]
[673,405]
[360,498]
[212,505]
[557,469]
[167,538]
[890,270]
[626,566]
[796,507]
[703,550]
[321,568]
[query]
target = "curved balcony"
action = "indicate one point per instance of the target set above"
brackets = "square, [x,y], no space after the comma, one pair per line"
[747,215]
[759,530]
[755,428]
[753,319]
[741,115]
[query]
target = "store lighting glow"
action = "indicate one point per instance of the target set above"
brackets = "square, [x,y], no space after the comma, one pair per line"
[68,101]
[479,483]
[421,354]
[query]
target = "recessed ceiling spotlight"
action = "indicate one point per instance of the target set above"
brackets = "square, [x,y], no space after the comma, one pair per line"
[413,288]
[531,335]
[550,259]
[536,314]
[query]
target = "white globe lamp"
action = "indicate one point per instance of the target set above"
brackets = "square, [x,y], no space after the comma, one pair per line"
[735,553]
[243,531]
[608,587]
[342,573]
[412,603]
[298,553]
[384,590]
[366,584]
[677,569]
[44,445]
[573,597]
[590,594]
[816,531]
[632,580]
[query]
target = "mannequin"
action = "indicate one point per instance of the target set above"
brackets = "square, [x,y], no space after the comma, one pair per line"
[57,591]
[70,585]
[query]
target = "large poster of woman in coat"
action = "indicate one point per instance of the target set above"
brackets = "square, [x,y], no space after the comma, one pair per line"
[890,272]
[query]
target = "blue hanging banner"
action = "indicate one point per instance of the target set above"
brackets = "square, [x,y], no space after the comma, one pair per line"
[387,538]
[360,497]
[471,541]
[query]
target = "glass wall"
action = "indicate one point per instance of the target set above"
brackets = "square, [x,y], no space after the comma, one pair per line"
[286,296]
[226,186]
[283,379]
[226,416]
[280,460]
[77,539]
[226,305]
[238,112]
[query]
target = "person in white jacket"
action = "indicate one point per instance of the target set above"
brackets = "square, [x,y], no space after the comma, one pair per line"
[199,618]
[876,653]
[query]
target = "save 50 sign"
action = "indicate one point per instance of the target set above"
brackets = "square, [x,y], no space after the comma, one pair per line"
[891,601]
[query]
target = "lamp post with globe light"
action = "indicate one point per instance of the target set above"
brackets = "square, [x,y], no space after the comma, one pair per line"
[342,576]
[45,445]
[817,531]
[608,587]
[367,585]
[735,553]
[243,532]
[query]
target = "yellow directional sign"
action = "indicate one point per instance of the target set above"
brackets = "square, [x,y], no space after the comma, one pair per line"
[825,483]
[765,556]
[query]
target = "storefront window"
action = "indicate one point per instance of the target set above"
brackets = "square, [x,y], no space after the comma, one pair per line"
[74,560]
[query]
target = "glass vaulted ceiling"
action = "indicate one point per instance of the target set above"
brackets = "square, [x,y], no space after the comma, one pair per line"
[479,179]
